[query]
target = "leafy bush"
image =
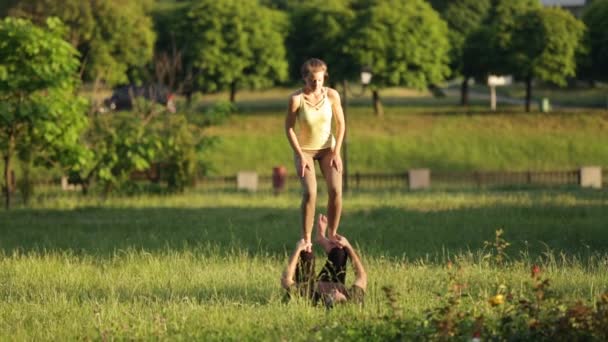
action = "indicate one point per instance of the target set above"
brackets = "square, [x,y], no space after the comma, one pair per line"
[534,314]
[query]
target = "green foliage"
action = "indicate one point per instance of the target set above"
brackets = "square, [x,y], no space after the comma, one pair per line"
[34,58]
[544,44]
[123,39]
[113,36]
[532,313]
[126,142]
[595,18]
[40,117]
[497,248]
[184,140]
[122,144]
[478,54]
[403,42]
[503,21]
[463,17]
[320,29]
[233,44]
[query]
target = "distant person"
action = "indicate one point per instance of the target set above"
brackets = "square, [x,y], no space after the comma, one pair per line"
[313,107]
[329,286]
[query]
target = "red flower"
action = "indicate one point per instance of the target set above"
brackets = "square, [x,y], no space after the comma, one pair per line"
[535,271]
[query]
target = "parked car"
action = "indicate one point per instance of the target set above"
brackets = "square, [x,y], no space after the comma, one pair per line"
[122,97]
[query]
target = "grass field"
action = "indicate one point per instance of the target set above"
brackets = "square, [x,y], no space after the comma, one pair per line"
[417,130]
[206,265]
[443,138]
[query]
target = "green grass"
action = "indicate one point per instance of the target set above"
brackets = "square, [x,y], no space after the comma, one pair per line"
[444,138]
[392,224]
[206,265]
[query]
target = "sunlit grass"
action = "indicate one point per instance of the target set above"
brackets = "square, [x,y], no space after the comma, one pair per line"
[188,294]
[443,139]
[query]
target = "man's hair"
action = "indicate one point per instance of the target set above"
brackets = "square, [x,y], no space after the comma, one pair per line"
[305,274]
[335,268]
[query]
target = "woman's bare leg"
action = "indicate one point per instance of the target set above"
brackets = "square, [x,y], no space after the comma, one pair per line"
[333,179]
[309,200]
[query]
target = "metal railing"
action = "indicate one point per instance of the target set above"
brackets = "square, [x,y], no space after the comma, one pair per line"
[400,181]
[389,181]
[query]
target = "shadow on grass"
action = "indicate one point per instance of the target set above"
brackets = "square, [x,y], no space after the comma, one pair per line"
[200,294]
[390,232]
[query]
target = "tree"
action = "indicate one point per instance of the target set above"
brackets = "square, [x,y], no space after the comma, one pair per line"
[464,19]
[233,44]
[403,42]
[503,21]
[38,111]
[593,62]
[115,38]
[320,29]
[544,43]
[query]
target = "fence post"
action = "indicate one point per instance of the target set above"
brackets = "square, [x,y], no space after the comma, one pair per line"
[590,177]
[419,179]
[279,175]
[247,180]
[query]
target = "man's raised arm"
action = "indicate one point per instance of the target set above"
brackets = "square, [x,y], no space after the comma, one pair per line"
[287,280]
[360,274]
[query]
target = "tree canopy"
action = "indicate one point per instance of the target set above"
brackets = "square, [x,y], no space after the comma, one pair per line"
[595,18]
[544,45]
[464,19]
[404,43]
[233,44]
[38,111]
[503,21]
[114,37]
[320,29]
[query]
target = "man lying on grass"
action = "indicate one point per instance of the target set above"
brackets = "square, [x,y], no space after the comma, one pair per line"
[329,285]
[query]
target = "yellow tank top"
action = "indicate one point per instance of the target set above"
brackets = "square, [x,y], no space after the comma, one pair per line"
[315,124]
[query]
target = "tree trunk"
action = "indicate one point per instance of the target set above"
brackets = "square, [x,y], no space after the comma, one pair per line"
[84,187]
[464,92]
[7,171]
[232,92]
[25,186]
[188,94]
[345,139]
[378,110]
[528,92]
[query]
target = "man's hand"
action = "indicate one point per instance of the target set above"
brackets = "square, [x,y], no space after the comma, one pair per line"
[342,241]
[303,245]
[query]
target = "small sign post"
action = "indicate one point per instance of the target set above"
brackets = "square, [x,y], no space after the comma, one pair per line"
[493,82]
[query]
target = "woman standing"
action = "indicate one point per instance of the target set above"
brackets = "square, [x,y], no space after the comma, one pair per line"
[313,107]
